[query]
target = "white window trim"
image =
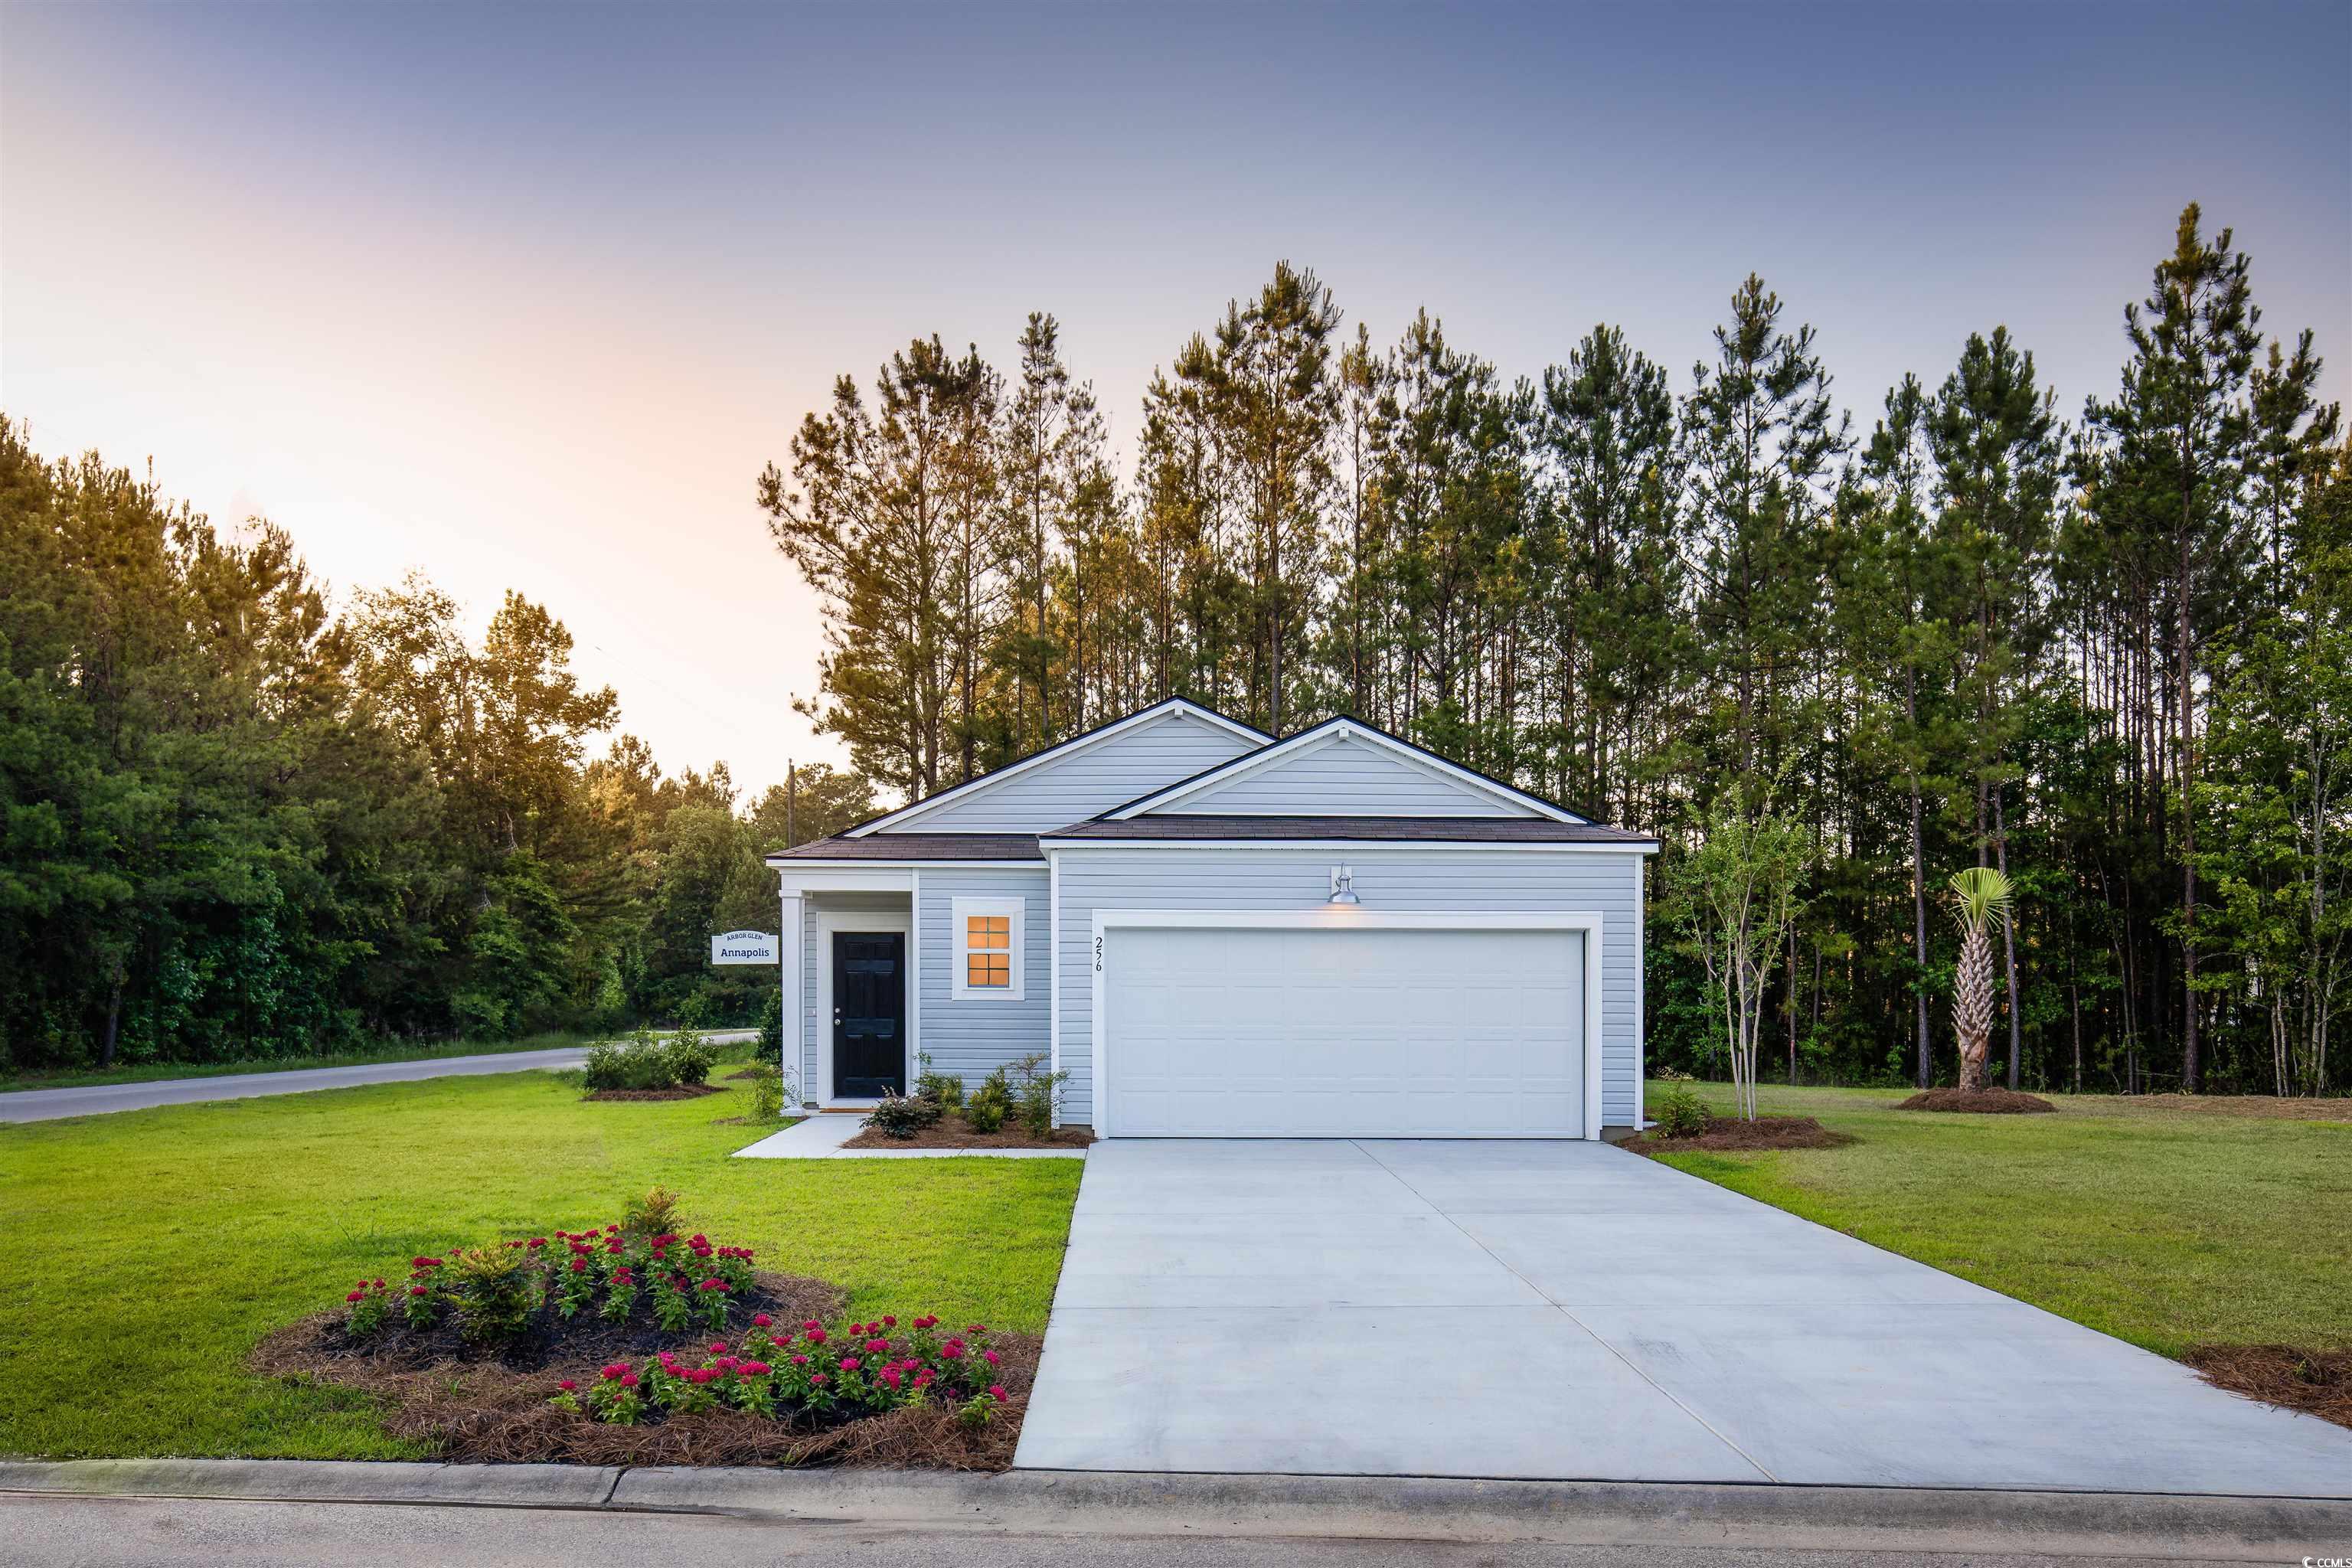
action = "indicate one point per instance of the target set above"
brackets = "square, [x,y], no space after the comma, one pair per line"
[959,934]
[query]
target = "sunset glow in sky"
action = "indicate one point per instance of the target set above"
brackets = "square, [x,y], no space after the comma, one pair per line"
[525,297]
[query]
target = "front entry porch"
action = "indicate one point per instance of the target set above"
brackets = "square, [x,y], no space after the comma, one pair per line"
[851,980]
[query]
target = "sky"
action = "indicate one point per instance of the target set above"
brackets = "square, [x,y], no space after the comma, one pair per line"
[525,297]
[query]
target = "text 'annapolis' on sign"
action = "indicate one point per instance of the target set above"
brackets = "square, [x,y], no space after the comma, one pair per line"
[746,947]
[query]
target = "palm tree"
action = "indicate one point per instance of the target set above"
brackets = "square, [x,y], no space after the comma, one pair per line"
[1979,899]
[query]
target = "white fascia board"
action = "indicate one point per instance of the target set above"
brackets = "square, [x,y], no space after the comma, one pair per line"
[796,882]
[1173,707]
[1309,742]
[788,863]
[1057,846]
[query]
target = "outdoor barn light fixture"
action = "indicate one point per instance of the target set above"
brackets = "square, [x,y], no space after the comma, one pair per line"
[1343,886]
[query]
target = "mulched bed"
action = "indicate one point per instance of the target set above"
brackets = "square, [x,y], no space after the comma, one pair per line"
[950,1132]
[683,1091]
[2317,1382]
[494,1409]
[1729,1133]
[1984,1103]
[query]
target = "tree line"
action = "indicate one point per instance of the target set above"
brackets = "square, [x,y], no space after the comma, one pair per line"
[2107,652]
[238,821]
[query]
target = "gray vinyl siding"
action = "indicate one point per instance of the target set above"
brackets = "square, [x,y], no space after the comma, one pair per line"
[1348,778]
[971,1039]
[1089,779]
[1451,879]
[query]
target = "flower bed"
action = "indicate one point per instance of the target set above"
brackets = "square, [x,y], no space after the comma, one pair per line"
[635,1345]
[951,1131]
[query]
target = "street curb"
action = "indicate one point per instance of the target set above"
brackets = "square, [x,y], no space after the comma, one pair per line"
[1853,1519]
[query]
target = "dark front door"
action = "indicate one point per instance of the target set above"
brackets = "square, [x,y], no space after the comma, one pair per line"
[869,1013]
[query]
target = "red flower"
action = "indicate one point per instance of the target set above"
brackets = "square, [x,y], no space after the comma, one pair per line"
[799,1360]
[612,1230]
[579,1264]
[697,1239]
[812,1324]
[727,1363]
[537,1242]
[628,1380]
[416,1289]
[761,1320]
[817,1378]
[355,1296]
[379,1284]
[849,1364]
[996,1390]
[425,1263]
[952,1350]
[816,1336]
[988,1356]
[567,1385]
[891,1380]
[878,1346]
[615,1370]
[977,1329]
[717,1348]
[888,1322]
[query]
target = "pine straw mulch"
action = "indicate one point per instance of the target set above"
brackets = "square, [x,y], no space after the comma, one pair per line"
[682,1091]
[951,1131]
[2317,1382]
[1728,1134]
[495,1410]
[1982,1102]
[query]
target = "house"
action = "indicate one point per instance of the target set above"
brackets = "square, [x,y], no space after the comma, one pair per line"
[1215,934]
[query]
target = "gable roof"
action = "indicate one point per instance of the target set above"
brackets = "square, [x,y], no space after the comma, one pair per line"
[907,816]
[1177,827]
[1503,799]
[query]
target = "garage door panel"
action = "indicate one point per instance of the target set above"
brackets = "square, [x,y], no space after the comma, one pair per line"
[1384,1032]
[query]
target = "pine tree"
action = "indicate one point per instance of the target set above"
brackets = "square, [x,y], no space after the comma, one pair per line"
[2168,470]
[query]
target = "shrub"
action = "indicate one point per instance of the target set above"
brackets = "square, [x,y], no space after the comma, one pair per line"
[1679,1114]
[688,1058]
[619,1274]
[646,1060]
[990,1104]
[772,1026]
[903,1115]
[655,1213]
[944,1090]
[1036,1094]
[767,1098]
[814,1374]
[496,1290]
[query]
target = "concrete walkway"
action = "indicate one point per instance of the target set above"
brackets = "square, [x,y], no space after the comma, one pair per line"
[98,1099]
[1570,1310]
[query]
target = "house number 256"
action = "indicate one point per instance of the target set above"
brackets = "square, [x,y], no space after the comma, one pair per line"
[1098,942]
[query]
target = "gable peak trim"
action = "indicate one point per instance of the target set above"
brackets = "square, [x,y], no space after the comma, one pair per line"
[1332,732]
[1166,709]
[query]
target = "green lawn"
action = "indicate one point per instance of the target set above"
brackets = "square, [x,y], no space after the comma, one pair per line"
[143,1254]
[2168,1226]
[149,1072]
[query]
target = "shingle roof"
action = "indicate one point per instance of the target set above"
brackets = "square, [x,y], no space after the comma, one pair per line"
[917,846]
[1407,829]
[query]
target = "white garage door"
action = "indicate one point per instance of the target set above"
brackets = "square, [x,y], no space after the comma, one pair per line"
[1286,1032]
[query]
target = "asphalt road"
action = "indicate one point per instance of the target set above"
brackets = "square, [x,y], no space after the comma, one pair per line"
[137,1532]
[96,1100]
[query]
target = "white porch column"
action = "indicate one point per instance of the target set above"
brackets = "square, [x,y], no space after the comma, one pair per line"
[795,1011]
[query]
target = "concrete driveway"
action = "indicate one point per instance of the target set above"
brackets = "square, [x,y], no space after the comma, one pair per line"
[1571,1311]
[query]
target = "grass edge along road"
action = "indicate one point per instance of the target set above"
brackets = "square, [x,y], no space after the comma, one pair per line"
[146,1252]
[388,1054]
[2168,1225]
